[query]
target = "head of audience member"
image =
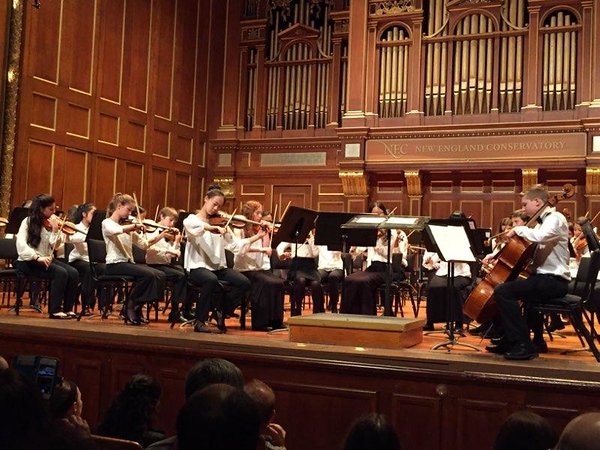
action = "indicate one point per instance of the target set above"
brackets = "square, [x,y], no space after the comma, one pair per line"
[378,208]
[212,371]
[525,430]
[132,414]
[66,400]
[372,431]
[581,433]
[25,420]
[218,417]
[3,364]
[264,398]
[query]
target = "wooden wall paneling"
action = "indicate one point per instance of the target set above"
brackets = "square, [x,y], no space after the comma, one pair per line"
[499,210]
[137,54]
[39,169]
[329,410]
[130,178]
[182,196]
[418,419]
[332,206]
[440,209]
[160,143]
[105,173]
[183,150]
[299,195]
[44,37]
[473,208]
[44,109]
[163,36]
[78,48]
[87,370]
[472,416]
[74,177]
[78,121]
[205,27]
[110,48]
[107,129]
[187,48]
[157,190]
[357,205]
[135,136]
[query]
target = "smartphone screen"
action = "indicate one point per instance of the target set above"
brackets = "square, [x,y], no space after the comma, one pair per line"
[46,375]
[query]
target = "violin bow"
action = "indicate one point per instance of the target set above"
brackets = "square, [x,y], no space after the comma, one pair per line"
[230,217]
[156,213]
[137,209]
[273,223]
[286,209]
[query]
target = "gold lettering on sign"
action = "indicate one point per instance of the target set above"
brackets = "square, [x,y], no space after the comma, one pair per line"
[395,150]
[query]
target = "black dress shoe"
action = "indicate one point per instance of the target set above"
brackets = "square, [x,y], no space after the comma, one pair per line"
[201,327]
[541,346]
[522,351]
[499,348]
[428,327]
[497,340]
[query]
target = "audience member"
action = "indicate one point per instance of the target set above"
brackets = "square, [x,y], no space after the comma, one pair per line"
[525,430]
[132,414]
[25,423]
[69,429]
[272,435]
[205,373]
[3,364]
[372,431]
[581,433]
[219,417]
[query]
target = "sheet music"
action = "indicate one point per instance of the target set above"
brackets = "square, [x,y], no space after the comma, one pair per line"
[453,243]
[370,220]
[402,221]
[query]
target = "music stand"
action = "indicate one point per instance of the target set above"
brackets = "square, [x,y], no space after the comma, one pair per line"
[17,215]
[370,221]
[295,226]
[449,238]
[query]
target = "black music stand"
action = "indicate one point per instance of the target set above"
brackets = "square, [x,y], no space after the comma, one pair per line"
[17,215]
[450,239]
[295,226]
[370,221]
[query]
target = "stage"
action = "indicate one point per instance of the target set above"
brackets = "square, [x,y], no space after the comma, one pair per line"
[438,399]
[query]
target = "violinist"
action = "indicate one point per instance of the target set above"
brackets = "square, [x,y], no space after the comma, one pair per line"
[36,239]
[206,262]
[579,243]
[331,270]
[149,283]
[438,309]
[79,256]
[266,288]
[360,288]
[549,279]
[163,249]
[303,272]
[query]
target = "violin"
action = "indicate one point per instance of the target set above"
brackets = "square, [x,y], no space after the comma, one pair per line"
[151,226]
[69,228]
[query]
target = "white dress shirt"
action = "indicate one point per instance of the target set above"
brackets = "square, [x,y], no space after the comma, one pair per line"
[432,259]
[552,252]
[329,260]
[247,260]
[161,252]
[307,249]
[80,247]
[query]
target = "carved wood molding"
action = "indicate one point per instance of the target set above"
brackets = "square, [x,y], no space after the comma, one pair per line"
[592,181]
[530,177]
[354,183]
[413,183]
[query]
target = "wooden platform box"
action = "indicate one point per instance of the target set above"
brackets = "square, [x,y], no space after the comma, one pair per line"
[356,330]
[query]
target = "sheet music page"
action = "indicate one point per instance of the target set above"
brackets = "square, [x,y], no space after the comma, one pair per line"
[453,243]
[370,220]
[402,221]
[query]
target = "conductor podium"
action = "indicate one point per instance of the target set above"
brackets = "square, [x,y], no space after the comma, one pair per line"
[355,330]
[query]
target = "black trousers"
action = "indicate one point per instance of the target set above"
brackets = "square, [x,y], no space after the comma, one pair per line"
[333,279]
[149,283]
[88,285]
[533,289]
[63,285]
[176,275]
[441,307]
[208,282]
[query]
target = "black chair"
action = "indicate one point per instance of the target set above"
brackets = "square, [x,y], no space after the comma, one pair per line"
[400,289]
[575,307]
[9,276]
[107,286]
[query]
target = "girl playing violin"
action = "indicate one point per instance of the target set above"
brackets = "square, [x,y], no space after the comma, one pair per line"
[36,239]
[149,283]
[164,249]
[360,288]
[206,262]
[79,256]
[266,289]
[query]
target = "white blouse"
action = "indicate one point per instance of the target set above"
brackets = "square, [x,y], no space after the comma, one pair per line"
[329,260]
[80,247]
[251,260]
[28,253]
[118,243]
[161,252]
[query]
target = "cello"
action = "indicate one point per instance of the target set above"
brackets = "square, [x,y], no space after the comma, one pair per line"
[511,263]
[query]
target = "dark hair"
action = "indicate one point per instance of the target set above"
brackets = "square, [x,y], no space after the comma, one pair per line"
[457,215]
[214,190]
[133,411]
[377,204]
[36,218]
[372,431]
[525,430]
[521,215]
[63,397]
[505,221]
[81,211]
[223,417]
[212,371]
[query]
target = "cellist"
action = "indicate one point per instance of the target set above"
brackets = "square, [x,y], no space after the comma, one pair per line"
[549,278]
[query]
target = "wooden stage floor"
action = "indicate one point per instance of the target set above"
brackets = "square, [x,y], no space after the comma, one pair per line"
[575,366]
